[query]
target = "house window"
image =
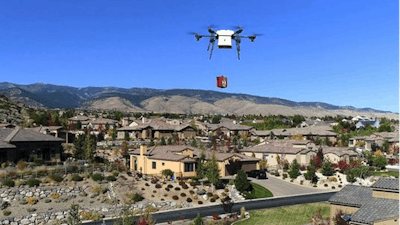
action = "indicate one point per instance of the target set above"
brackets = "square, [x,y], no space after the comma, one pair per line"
[163,163]
[351,142]
[189,167]
[154,165]
[266,156]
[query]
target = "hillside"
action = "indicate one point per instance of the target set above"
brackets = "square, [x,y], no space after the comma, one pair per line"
[11,111]
[172,101]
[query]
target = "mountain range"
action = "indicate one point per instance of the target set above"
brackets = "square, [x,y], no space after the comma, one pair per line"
[171,101]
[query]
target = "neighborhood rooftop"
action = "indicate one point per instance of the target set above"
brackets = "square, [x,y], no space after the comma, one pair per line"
[387,183]
[352,195]
[377,209]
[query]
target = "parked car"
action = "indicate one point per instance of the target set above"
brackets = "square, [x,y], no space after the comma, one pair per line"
[259,174]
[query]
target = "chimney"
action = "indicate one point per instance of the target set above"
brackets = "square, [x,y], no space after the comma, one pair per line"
[143,150]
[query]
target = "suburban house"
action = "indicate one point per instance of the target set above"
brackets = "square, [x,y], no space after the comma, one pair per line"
[274,150]
[56,131]
[336,154]
[364,122]
[376,139]
[229,128]
[377,204]
[21,144]
[182,159]
[156,128]
[308,133]
[92,122]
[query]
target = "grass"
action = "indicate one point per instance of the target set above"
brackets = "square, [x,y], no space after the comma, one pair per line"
[258,192]
[289,215]
[386,174]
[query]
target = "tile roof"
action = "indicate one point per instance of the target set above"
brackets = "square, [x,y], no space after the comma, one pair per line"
[352,195]
[387,183]
[16,135]
[276,146]
[228,125]
[338,151]
[315,130]
[377,209]
[6,145]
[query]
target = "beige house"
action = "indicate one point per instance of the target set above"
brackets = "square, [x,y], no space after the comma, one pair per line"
[308,133]
[182,159]
[274,150]
[377,204]
[335,154]
[229,128]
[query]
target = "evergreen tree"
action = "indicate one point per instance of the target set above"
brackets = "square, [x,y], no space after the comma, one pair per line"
[126,136]
[198,220]
[90,147]
[213,171]
[201,169]
[294,171]
[74,217]
[78,125]
[310,175]
[162,142]
[79,145]
[327,169]
[241,182]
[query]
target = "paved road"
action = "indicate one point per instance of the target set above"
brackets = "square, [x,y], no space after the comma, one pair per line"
[279,187]
[191,213]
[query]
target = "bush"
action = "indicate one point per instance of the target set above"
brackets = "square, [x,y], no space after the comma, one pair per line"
[170,186]
[76,177]
[340,186]
[165,195]
[325,185]
[132,198]
[162,199]
[195,197]
[333,187]
[315,185]
[301,182]
[153,181]
[177,189]
[147,184]
[212,200]
[215,196]
[189,200]
[303,168]
[6,212]
[57,178]
[327,169]
[241,182]
[54,195]
[183,195]
[276,174]
[167,189]
[167,172]
[111,178]
[115,173]
[175,197]
[209,194]
[47,200]
[332,179]
[284,176]
[158,186]
[154,191]
[31,200]
[8,183]
[193,183]
[294,171]
[97,177]
[4,205]
[200,202]
[184,186]
[33,182]
[31,209]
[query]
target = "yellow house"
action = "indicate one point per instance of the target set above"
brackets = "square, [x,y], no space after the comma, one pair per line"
[378,204]
[182,159]
[335,154]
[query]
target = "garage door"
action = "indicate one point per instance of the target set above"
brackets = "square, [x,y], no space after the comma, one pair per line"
[248,166]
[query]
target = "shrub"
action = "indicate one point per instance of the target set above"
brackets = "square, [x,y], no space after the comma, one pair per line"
[115,173]
[4,205]
[193,183]
[152,196]
[158,186]
[147,184]
[226,190]
[6,212]
[177,189]
[154,191]
[97,177]
[301,182]
[184,186]
[76,177]
[111,178]
[183,195]
[153,181]
[54,195]
[143,189]
[31,200]
[200,202]
[167,189]
[276,174]
[241,182]
[209,194]
[191,192]
[167,172]
[175,197]
[170,186]
[189,200]
[332,179]
[132,198]
[165,195]
[333,187]
[284,176]
[31,209]
[294,169]
[327,169]
[162,199]
[291,180]
[47,200]
[8,183]
[315,185]
[33,182]
[340,186]
[57,178]
[212,200]
[303,168]
[326,185]
[215,196]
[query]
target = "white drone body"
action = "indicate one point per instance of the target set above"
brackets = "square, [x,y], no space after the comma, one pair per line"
[225,38]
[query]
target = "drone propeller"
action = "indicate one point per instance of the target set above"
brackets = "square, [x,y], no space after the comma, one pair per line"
[239,30]
[211,30]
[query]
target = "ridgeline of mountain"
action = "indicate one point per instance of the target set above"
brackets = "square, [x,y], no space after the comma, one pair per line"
[173,100]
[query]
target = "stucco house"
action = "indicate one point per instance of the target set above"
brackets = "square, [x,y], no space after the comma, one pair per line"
[362,123]
[182,159]
[336,154]
[229,128]
[308,133]
[377,204]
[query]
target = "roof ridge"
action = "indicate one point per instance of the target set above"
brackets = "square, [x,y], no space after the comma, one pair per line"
[11,135]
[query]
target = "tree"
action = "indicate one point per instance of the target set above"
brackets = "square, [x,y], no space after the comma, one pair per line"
[338,220]
[351,175]
[198,220]
[193,143]
[201,170]
[241,182]
[107,126]
[78,125]
[213,171]
[310,175]
[227,204]
[343,166]
[380,161]
[126,136]
[294,169]
[263,164]
[74,217]
[216,119]
[79,144]
[162,141]
[90,147]
[327,169]
[126,217]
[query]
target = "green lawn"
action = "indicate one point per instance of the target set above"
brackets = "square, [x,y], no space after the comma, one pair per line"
[386,174]
[258,192]
[289,215]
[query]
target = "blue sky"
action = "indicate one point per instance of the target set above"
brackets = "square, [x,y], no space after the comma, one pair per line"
[338,52]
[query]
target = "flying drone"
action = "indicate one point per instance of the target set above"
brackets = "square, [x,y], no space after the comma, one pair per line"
[225,38]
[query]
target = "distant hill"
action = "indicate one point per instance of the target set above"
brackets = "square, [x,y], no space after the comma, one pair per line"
[173,100]
[11,111]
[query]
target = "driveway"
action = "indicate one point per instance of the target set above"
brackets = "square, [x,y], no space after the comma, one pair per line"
[281,188]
